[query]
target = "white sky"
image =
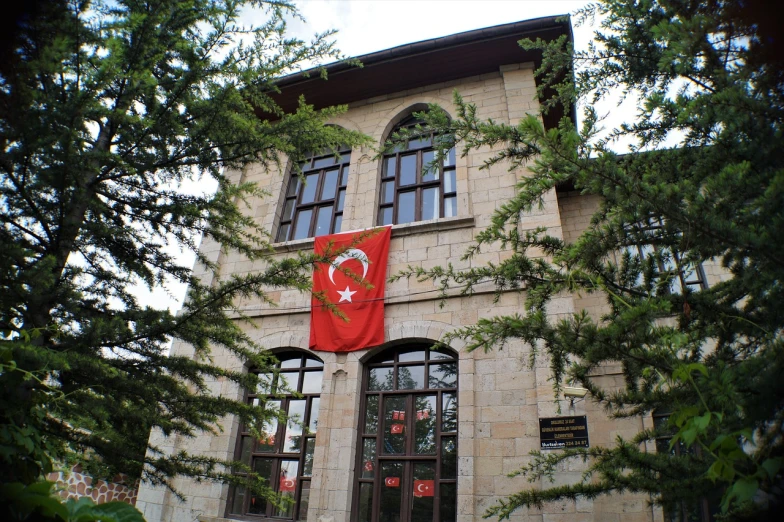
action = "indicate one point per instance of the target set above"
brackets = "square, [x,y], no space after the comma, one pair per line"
[366,26]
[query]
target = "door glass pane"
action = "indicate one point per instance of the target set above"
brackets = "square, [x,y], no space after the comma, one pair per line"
[448,458]
[288,381]
[287,485]
[425,424]
[330,184]
[365,502]
[448,494]
[314,414]
[258,505]
[408,170]
[431,203]
[448,412]
[411,378]
[266,441]
[304,500]
[427,161]
[394,425]
[391,489]
[294,426]
[387,191]
[311,382]
[406,202]
[443,375]
[368,458]
[449,181]
[380,379]
[385,216]
[303,224]
[371,415]
[423,490]
[310,447]
[323,221]
[309,189]
[450,207]
[389,168]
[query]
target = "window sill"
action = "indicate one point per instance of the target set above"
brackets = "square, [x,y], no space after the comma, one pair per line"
[406,229]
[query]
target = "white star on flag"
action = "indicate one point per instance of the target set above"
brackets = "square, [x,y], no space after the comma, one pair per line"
[345,295]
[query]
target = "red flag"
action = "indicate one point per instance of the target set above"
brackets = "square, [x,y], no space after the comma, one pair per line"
[365,255]
[396,428]
[368,465]
[392,482]
[398,415]
[287,484]
[424,488]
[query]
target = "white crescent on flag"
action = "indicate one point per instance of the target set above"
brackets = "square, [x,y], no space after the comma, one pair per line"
[288,483]
[421,488]
[351,253]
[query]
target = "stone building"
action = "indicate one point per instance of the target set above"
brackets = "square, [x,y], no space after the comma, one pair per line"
[473,417]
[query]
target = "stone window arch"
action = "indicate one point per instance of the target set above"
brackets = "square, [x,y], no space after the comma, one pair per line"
[406,467]
[283,453]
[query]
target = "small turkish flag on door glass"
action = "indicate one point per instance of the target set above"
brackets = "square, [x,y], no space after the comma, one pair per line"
[424,488]
[392,482]
[287,484]
[396,428]
[362,255]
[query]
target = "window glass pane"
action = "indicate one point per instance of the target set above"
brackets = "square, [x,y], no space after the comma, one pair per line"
[430,174]
[341,199]
[425,424]
[380,379]
[338,223]
[414,355]
[302,229]
[387,191]
[448,412]
[371,415]
[288,380]
[330,184]
[288,210]
[365,502]
[443,375]
[304,500]
[258,504]
[293,362]
[309,190]
[423,489]
[385,216]
[269,430]
[314,415]
[296,415]
[411,378]
[449,159]
[313,363]
[310,447]
[408,170]
[418,143]
[238,503]
[450,207]
[394,425]
[448,458]
[439,355]
[392,482]
[293,186]
[431,199]
[283,232]
[287,487]
[311,382]
[344,176]
[324,162]
[450,181]
[405,207]
[389,168]
[323,221]
[246,445]
[345,157]
[448,494]
[368,458]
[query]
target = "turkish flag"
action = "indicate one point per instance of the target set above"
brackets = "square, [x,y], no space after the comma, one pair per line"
[396,428]
[424,488]
[287,484]
[368,465]
[363,255]
[392,482]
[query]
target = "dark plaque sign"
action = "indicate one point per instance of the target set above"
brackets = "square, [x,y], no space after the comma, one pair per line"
[563,432]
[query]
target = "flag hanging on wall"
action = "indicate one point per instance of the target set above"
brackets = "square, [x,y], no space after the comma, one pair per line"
[357,255]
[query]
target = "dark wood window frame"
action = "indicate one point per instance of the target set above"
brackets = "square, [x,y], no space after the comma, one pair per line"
[279,450]
[443,458]
[389,210]
[318,169]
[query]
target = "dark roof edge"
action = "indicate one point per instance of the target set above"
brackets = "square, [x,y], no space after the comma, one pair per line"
[441,42]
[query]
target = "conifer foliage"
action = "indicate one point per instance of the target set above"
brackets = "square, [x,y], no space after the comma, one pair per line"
[108,110]
[704,183]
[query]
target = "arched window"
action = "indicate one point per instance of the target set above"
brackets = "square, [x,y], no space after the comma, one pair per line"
[407,455]
[284,452]
[315,207]
[412,187]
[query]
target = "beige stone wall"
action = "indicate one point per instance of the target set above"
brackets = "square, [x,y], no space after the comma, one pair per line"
[500,397]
